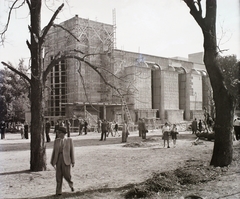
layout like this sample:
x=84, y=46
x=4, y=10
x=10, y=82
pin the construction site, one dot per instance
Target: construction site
x=131, y=85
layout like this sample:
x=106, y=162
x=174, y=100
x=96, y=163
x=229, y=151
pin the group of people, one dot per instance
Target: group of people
x=83, y=126
x=207, y=124
x=66, y=124
x=168, y=131
x=106, y=127
x=22, y=127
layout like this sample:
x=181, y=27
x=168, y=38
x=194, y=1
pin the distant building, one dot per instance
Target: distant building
x=170, y=89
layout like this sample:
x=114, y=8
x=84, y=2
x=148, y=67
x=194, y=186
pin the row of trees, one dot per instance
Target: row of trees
x=223, y=98
x=13, y=95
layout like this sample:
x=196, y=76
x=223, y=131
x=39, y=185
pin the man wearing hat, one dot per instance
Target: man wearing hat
x=62, y=159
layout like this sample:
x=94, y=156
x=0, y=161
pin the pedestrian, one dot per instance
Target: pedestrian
x=26, y=130
x=125, y=132
x=81, y=124
x=57, y=125
x=47, y=130
x=62, y=159
x=194, y=126
x=3, y=126
x=165, y=132
x=140, y=127
x=21, y=130
x=200, y=127
x=116, y=129
x=109, y=128
x=144, y=129
x=236, y=126
x=174, y=133
x=85, y=127
x=68, y=124
x=99, y=122
x=104, y=130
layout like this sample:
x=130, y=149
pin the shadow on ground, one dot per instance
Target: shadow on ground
x=88, y=142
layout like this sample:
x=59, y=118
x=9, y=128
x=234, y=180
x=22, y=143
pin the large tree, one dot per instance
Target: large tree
x=39, y=74
x=223, y=99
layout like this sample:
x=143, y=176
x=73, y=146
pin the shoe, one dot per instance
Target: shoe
x=168, y=147
x=100, y=140
x=72, y=189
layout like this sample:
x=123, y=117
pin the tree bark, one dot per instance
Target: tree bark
x=38, y=154
x=224, y=101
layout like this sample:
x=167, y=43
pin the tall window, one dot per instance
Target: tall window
x=58, y=94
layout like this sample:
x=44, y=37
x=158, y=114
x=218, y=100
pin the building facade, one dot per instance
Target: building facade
x=131, y=85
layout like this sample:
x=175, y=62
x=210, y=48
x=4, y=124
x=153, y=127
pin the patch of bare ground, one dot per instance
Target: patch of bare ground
x=115, y=170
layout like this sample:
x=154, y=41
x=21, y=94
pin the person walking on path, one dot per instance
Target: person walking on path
x=144, y=129
x=116, y=130
x=194, y=126
x=62, y=159
x=125, y=132
x=140, y=127
x=165, y=132
x=57, y=125
x=99, y=123
x=22, y=130
x=68, y=124
x=200, y=127
x=26, y=130
x=104, y=130
x=47, y=130
x=81, y=124
x=3, y=126
x=174, y=133
x=85, y=127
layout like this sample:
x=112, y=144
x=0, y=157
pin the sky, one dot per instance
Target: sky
x=163, y=28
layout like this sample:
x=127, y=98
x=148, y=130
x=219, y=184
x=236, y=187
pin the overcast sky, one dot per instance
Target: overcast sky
x=157, y=27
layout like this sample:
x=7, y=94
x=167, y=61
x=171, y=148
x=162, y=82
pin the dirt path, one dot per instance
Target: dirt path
x=99, y=165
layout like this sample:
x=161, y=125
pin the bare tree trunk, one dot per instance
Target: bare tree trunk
x=38, y=154
x=224, y=101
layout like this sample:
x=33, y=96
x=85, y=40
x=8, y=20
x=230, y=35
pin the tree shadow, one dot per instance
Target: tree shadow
x=15, y=172
x=85, y=193
x=90, y=142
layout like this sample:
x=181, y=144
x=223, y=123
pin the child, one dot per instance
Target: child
x=165, y=132
x=174, y=135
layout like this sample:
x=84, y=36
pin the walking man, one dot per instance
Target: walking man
x=3, y=126
x=104, y=130
x=47, y=130
x=62, y=159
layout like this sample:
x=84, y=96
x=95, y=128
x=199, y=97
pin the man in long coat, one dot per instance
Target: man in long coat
x=62, y=159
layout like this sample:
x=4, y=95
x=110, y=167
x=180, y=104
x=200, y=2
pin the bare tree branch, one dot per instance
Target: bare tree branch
x=50, y=24
x=197, y=14
x=29, y=4
x=58, y=25
x=8, y=21
x=79, y=51
x=29, y=45
x=18, y=72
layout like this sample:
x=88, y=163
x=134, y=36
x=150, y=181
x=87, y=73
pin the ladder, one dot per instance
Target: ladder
x=126, y=110
x=92, y=121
